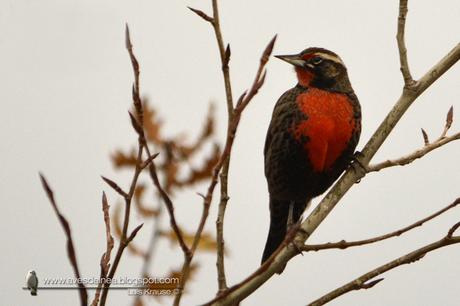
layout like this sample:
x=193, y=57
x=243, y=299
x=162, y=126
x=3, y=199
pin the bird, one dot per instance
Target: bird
x=311, y=139
x=32, y=282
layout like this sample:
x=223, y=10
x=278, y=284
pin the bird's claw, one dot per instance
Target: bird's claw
x=358, y=166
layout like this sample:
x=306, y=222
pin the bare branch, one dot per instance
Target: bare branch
x=442, y=140
x=401, y=43
x=124, y=241
x=137, y=127
x=152, y=168
x=225, y=154
x=346, y=244
x=115, y=187
x=410, y=93
x=170, y=207
x=134, y=233
x=105, y=259
x=361, y=282
x=201, y=14
x=415, y=155
x=70, y=247
x=149, y=160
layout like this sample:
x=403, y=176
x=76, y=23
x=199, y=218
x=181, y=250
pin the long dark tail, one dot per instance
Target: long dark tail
x=279, y=212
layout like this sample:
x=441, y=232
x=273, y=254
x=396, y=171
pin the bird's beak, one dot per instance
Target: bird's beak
x=295, y=59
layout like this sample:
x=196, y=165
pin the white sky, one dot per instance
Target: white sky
x=66, y=81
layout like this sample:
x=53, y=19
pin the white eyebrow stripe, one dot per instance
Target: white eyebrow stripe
x=330, y=57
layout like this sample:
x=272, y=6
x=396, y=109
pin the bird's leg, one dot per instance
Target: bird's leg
x=359, y=167
x=290, y=220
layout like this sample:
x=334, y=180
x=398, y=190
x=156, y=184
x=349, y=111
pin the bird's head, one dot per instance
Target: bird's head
x=321, y=68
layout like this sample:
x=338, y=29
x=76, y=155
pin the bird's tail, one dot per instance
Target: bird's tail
x=33, y=291
x=279, y=212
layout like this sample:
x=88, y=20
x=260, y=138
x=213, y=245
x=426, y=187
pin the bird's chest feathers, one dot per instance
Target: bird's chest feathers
x=328, y=128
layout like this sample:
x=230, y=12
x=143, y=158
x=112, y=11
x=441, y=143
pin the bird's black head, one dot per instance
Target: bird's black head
x=318, y=67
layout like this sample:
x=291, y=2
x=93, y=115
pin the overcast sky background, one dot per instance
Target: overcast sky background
x=66, y=86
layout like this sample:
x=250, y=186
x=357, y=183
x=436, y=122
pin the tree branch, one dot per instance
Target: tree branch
x=401, y=43
x=346, y=244
x=105, y=259
x=362, y=281
x=124, y=241
x=224, y=58
x=138, y=126
x=70, y=247
x=243, y=101
x=410, y=92
x=149, y=162
x=442, y=140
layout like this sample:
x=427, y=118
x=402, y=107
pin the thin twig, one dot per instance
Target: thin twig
x=442, y=140
x=224, y=58
x=362, y=281
x=170, y=208
x=243, y=101
x=410, y=92
x=139, y=127
x=346, y=244
x=415, y=155
x=105, y=259
x=70, y=247
x=115, y=187
x=124, y=241
x=401, y=43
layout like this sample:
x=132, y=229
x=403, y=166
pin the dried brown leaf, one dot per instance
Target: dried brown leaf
x=121, y=159
x=141, y=207
x=152, y=125
x=207, y=242
x=203, y=172
x=174, y=276
x=207, y=131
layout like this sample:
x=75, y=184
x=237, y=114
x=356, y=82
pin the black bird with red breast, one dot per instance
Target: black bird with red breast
x=313, y=133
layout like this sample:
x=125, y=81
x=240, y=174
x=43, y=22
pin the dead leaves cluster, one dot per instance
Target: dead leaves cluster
x=177, y=171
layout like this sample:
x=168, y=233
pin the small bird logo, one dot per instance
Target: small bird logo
x=313, y=133
x=32, y=282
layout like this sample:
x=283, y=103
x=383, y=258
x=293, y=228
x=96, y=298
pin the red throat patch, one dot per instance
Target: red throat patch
x=304, y=76
x=329, y=126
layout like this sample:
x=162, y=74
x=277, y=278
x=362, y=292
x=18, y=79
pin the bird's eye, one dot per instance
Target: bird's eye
x=316, y=60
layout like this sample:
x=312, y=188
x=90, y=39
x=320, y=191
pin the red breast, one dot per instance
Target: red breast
x=328, y=127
